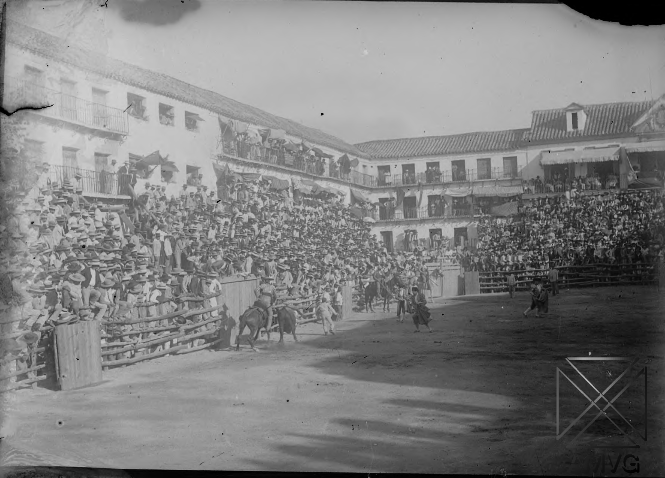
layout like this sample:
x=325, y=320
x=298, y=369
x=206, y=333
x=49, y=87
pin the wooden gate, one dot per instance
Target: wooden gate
x=78, y=358
x=448, y=279
x=471, y=283
x=238, y=295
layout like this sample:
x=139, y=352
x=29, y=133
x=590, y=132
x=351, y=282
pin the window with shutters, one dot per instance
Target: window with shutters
x=510, y=167
x=69, y=162
x=484, y=168
x=100, y=116
x=68, y=99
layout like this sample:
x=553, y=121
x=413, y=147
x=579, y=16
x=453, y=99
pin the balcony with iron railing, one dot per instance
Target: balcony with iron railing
x=97, y=182
x=19, y=92
x=289, y=161
x=442, y=177
x=606, y=183
x=413, y=213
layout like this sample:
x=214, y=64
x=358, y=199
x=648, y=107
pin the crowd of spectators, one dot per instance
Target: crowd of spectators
x=626, y=226
x=67, y=258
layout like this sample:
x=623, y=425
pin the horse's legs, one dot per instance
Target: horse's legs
x=281, y=331
x=240, y=331
x=252, y=334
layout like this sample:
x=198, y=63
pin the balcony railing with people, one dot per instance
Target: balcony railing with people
x=549, y=186
x=408, y=213
x=19, y=92
x=99, y=182
x=279, y=156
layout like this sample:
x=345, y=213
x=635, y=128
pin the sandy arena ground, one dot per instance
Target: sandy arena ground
x=476, y=396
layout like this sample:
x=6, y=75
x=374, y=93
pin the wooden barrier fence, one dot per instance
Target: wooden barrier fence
x=154, y=330
x=21, y=366
x=590, y=275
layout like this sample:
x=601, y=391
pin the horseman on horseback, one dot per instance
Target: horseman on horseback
x=266, y=295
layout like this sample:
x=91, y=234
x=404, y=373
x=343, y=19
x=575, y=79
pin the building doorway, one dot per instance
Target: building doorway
x=410, y=208
x=387, y=237
x=435, y=238
x=461, y=237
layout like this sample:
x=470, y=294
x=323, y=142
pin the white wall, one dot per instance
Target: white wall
x=182, y=146
x=445, y=162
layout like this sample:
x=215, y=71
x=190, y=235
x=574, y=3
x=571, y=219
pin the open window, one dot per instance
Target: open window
x=192, y=121
x=166, y=114
x=193, y=176
x=136, y=106
x=458, y=170
x=484, y=168
x=384, y=175
x=433, y=172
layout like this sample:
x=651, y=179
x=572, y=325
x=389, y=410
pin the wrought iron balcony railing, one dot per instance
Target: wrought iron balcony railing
x=100, y=182
x=19, y=92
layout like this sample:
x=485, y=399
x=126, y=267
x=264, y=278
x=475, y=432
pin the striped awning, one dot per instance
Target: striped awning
x=646, y=147
x=585, y=156
x=497, y=191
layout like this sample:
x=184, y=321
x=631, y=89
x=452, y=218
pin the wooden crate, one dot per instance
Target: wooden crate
x=78, y=355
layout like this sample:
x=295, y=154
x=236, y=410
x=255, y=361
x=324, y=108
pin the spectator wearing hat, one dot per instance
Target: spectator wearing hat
x=72, y=296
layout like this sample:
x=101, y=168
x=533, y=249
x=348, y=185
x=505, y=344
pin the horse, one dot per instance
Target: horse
x=256, y=319
x=380, y=289
x=287, y=321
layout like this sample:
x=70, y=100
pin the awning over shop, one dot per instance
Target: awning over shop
x=585, y=156
x=357, y=195
x=457, y=192
x=497, y=191
x=646, y=147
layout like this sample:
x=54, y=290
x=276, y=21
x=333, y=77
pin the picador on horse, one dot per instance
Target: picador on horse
x=381, y=286
x=260, y=315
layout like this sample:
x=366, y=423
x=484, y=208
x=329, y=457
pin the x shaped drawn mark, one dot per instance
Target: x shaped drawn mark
x=601, y=395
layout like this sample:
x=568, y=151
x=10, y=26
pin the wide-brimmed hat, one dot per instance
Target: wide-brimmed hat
x=108, y=283
x=76, y=277
x=136, y=289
